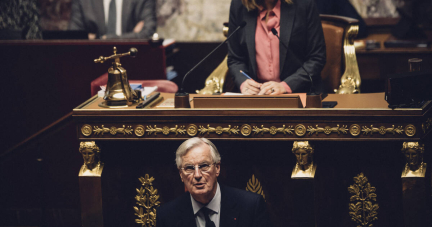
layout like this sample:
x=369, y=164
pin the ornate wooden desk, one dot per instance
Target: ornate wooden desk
x=361, y=138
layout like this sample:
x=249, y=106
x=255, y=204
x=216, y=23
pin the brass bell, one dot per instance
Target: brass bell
x=118, y=92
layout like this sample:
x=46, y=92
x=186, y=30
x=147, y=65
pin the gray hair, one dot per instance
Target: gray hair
x=195, y=142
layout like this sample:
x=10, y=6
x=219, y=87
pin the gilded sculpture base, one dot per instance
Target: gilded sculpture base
x=302, y=206
x=95, y=172
x=308, y=173
x=91, y=201
x=414, y=203
x=421, y=172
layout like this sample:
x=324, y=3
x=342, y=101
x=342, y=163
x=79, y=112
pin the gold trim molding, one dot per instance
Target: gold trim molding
x=218, y=130
x=165, y=130
x=113, y=130
x=273, y=130
x=383, y=130
x=147, y=198
x=363, y=211
x=328, y=130
x=254, y=186
x=246, y=130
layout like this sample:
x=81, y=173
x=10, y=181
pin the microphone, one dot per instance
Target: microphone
x=312, y=88
x=182, y=98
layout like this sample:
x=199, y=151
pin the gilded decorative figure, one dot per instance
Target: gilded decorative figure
x=304, y=167
x=147, y=198
x=91, y=154
x=254, y=186
x=363, y=211
x=414, y=167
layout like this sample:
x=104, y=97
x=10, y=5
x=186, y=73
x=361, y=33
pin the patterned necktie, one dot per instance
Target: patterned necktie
x=112, y=18
x=206, y=212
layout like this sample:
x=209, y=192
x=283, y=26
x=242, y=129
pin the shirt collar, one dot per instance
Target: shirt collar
x=213, y=205
x=276, y=10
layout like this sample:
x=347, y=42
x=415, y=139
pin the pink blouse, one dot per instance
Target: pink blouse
x=267, y=47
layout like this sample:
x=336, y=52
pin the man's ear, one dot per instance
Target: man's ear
x=217, y=169
x=181, y=177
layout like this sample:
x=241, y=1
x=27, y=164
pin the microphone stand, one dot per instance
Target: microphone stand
x=181, y=99
x=313, y=100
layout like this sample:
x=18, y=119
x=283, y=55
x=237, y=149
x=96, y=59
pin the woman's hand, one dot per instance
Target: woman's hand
x=251, y=87
x=272, y=88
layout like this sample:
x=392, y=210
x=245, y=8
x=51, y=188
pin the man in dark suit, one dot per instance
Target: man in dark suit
x=301, y=49
x=207, y=203
x=128, y=19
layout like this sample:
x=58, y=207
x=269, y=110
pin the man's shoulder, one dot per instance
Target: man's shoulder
x=239, y=194
x=175, y=204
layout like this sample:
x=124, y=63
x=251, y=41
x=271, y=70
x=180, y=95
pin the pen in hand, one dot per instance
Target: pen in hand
x=246, y=75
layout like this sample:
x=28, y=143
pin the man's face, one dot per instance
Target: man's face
x=201, y=185
x=302, y=157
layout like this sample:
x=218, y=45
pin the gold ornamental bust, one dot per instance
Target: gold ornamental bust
x=414, y=167
x=91, y=154
x=304, y=167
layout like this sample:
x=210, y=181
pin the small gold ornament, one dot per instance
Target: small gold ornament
x=86, y=130
x=192, y=130
x=355, y=130
x=139, y=130
x=410, y=130
x=246, y=130
x=300, y=130
x=255, y=186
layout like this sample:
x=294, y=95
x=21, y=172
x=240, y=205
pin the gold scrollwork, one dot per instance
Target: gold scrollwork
x=255, y=186
x=355, y=129
x=273, y=130
x=363, y=211
x=86, y=130
x=147, y=198
x=113, y=130
x=139, y=130
x=410, y=130
x=300, y=130
x=218, y=130
x=382, y=130
x=192, y=130
x=165, y=130
x=327, y=129
x=427, y=125
x=101, y=130
x=246, y=130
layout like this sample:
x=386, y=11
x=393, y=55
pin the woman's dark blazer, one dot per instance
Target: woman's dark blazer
x=300, y=30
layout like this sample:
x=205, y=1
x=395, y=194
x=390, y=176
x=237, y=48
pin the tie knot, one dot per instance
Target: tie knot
x=206, y=211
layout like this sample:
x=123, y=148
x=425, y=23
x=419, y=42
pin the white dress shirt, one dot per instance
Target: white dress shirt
x=119, y=7
x=214, y=205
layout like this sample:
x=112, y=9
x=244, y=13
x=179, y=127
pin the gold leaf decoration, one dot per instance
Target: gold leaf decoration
x=165, y=130
x=255, y=186
x=218, y=130
x=147, y=198
x=273, y=130
x=382, y=130
x=328, y=130
x=113, y=130
x=362, y=210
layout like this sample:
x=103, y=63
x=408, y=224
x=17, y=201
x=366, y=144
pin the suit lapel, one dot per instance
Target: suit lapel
x=251, y=21
x=187, y=215
x=126, y=11
x=286, y=25
x=98, y=9
x=229, y=211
